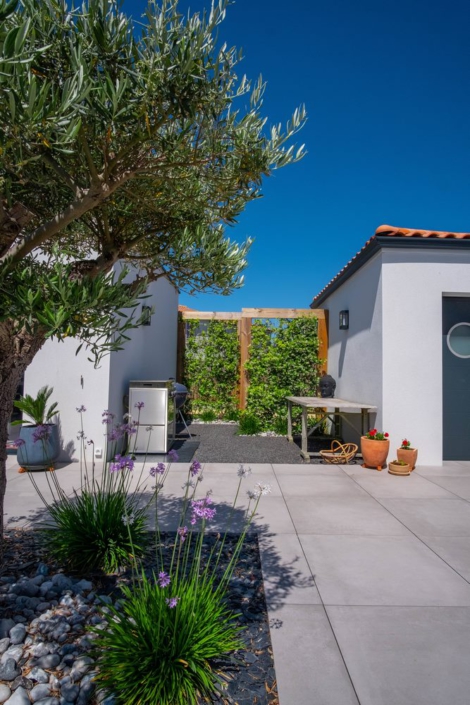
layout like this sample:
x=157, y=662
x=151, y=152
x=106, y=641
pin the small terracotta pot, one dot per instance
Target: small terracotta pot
x=397, y=469
x=374, y=453
x=409, y=455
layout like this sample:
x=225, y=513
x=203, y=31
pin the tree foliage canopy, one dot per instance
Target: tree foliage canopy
x=129, y=141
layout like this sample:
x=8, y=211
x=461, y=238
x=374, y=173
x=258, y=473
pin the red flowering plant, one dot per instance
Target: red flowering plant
x=406, y=444
x=375, y=435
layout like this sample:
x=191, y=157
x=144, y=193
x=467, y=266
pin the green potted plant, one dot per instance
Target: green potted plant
x=407, y=453
x=399, y=467
x=39, y=443
x=374, y=448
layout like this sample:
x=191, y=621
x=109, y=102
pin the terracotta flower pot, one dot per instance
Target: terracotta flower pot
x=409, y=455
x=397, y=469
x=374, y=453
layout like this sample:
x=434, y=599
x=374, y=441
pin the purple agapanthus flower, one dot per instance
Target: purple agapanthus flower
x=172, y=602
x=107, y=417
x=90, y=442
x=81, y=409
x=163, y=579
x=201, y=509
x=158, y=470
x=18, y=443
x=195, y=468
x=41, y=433
x=139, y=405
x=115, y=434
x=121, y=463
x=129, y=428
x=182, y=533
x=173, y=456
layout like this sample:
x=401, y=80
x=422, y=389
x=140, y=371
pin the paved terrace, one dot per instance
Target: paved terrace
x=367, y=576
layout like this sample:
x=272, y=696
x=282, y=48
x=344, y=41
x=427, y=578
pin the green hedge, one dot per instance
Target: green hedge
x=283, y=362
x=211, y=367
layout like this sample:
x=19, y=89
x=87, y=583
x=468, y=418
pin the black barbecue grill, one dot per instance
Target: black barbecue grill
x=180, y=394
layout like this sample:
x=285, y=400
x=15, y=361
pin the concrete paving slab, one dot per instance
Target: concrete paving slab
x=432, y=517
x=319, y=486
x=383, y=570
x=232, y=468
x=386, y=485
x=459, y=486
x=454, y=550
x=405, y=655
x=287, y=577
x=359, y=516
x=223, y=484
x=451, y=469
x=309, y=666
x=308, y=469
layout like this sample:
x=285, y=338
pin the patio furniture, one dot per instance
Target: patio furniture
x=339, y=453
x=333, y=409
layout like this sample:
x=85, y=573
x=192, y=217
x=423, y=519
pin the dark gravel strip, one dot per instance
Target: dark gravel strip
x=219, y=443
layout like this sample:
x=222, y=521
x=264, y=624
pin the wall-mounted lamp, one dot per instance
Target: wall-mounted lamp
x=344, y=320
x=146, y=315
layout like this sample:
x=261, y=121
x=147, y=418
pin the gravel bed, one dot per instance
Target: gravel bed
x=44, y=615
x=219, y=443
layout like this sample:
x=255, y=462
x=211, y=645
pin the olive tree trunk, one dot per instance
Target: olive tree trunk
x=17, y=350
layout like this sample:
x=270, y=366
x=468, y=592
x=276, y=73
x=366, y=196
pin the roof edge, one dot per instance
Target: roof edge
x=377, y=243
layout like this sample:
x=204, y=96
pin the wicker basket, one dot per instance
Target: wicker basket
x=339, y=453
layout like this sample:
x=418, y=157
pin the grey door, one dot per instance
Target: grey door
x=456, y=377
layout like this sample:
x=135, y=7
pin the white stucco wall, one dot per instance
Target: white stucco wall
x=149, y=354
x=392, y=354
x=76, y=382
x=414, y=282
x=354, y=355
x=152, y=354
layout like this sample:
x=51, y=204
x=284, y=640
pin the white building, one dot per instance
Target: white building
x=149, y=354
x=407, y=348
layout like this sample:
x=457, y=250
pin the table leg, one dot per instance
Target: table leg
x=304, y=451
x=337, y=418
x=364, y=418
x=289, y=422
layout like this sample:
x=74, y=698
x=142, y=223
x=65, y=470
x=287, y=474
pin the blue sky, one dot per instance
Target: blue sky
x=386, y=86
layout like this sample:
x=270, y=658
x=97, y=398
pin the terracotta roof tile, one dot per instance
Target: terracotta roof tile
x=407, y=232
x=181, y=307
x=390, y=231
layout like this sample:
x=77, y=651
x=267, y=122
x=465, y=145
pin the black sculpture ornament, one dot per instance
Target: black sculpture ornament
x=327, y=387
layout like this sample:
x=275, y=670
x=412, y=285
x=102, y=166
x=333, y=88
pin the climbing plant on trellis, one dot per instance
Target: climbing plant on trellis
x=211, y=370
x=283, y=361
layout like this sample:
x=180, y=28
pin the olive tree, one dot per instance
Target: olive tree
x=119, y=141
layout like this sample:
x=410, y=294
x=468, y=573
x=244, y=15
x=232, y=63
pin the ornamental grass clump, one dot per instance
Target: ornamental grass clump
x=173, y=632
x=102, y=525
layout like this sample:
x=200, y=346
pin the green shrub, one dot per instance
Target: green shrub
x=280, y=426
x=248, y=424
x=232, y=414
x=89, y=531
x=152, y=653
x=208, y=415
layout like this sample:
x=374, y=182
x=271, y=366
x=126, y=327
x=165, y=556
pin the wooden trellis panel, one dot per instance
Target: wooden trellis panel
x=245, y=318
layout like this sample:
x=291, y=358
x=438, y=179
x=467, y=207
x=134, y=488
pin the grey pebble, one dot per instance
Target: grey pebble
x=14, y=652
x=5, y=693
x=5, y=626
x=4, y=644
x=17, y=633
x=69, y=692
x=49, y=661
x=42, y=569
x=48, y=701
x=39, y=692
x=19, y=618
x=19, y=697
x=83, y=585
x=38, y=675
x=9, y=671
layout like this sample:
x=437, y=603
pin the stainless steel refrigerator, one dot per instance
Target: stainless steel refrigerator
x=157, y=414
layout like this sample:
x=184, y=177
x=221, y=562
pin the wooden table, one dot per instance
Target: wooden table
x=334, y=409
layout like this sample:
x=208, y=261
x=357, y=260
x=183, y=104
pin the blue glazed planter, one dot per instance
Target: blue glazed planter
x=41, y=454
